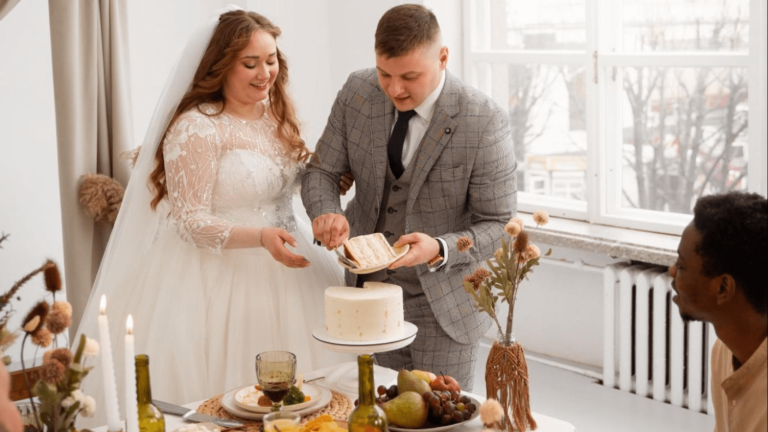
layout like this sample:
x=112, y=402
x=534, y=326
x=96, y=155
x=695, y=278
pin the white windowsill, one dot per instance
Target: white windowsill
x=624, y=243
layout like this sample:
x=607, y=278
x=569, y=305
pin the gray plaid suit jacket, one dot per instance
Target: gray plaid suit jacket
x=464, y=183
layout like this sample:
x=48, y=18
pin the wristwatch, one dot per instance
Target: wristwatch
x=435, y=262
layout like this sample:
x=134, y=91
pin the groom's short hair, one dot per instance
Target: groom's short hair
x=404, y=28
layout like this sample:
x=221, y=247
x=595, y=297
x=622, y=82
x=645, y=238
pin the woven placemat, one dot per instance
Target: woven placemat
x=339, y=408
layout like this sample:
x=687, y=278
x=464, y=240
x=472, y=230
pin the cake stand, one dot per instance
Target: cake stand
x=345, y=375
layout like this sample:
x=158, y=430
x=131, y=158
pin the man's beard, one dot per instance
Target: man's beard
x=689, y=318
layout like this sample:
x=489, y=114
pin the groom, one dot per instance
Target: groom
x=433, y=161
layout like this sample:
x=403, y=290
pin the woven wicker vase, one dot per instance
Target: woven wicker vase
x=506, y=380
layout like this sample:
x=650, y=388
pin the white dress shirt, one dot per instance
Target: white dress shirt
x=418, y=124
x=417, y=127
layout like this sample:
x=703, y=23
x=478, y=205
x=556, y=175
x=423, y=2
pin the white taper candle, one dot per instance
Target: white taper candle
x=108, y=371
x=131, y=408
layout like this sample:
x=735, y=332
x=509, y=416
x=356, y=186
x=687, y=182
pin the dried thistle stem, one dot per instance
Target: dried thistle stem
x=7, y=296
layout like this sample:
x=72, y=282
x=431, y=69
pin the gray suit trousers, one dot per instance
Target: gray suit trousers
x=432, y=350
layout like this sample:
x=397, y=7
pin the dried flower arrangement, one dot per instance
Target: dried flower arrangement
x=58, y=390
x=506, y=373
x=509, y=266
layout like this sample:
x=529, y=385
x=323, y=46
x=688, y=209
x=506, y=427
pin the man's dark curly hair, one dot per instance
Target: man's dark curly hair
x=734, y=240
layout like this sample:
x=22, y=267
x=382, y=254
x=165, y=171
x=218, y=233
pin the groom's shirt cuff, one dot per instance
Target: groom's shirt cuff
x=443, y=253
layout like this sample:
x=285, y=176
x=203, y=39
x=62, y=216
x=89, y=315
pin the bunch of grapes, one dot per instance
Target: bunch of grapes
x=448, y=407
x=445, y=407
x=384, y=394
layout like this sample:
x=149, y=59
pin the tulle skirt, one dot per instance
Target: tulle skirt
x=202, y=318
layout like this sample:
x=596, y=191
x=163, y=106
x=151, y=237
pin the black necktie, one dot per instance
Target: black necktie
x=395, y=146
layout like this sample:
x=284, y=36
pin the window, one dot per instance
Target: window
x=623, y=112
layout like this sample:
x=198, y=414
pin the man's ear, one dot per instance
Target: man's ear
x=727, y=289
x=443, y=57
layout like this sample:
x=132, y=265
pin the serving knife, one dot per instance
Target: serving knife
x=346, y=260
x=342, y=257
x=191, y=415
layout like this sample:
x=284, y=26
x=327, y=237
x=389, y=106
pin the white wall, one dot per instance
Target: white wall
x=29, y=177
x=157, y=32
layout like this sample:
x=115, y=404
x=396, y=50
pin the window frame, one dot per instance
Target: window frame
x=603, y=67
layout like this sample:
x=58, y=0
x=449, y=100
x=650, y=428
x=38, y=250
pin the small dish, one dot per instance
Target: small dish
x=228, y=403
x=247, y=398
x=399, y=252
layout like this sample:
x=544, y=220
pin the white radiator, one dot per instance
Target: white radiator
x=647, y=347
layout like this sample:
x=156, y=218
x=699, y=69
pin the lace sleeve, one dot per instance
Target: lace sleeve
x=191, y=153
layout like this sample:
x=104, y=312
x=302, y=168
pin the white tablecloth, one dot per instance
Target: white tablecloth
x=386, y=376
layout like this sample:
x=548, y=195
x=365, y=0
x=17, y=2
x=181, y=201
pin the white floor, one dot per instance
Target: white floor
x=590, y=407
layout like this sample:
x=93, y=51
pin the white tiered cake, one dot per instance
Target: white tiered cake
x=373, y=313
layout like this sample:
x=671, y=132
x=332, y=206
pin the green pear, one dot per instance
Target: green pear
x=408, y=381
x=425, y=375
x=407, y=410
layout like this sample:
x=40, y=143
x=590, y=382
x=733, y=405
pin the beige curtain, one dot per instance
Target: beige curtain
x=89, y=44
x=6, y=6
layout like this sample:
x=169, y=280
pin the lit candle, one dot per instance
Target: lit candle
x=131, y=409
x=108, y=370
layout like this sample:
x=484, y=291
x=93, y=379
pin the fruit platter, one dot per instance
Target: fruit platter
x=422, y=400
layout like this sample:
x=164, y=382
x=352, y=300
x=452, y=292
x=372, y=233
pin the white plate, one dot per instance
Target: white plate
x=246, y=398
x=404, y=339
x=440, y=428
x=399, y=252
x=228, y=403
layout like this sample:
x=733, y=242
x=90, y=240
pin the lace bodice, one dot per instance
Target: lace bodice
x=223, y=172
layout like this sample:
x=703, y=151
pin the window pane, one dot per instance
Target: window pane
x=547, y=115
x=686, y=25
x=684, y=134
x=531, y=25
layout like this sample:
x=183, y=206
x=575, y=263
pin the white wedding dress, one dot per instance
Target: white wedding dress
x=202, y=312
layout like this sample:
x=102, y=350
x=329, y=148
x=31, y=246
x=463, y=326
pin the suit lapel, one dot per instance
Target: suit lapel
x=382, y=111
x=437, y=136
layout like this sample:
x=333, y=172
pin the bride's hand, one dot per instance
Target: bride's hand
x=274, y=240
x=346, y=182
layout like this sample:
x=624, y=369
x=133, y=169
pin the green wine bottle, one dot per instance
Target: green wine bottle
x=367, y=416
x=150, y=417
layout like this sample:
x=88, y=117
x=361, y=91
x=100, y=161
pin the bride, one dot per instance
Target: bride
x=210, y=260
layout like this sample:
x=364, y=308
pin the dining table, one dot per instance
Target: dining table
x=330, y=378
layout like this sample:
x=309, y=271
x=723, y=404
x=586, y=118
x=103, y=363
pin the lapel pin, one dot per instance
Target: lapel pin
x=447, y=130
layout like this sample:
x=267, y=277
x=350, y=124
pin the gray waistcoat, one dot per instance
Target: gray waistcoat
x=392, y=224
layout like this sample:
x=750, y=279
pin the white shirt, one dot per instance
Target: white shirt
x=418, y=124
x=417, y=127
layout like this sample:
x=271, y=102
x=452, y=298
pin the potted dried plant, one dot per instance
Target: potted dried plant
x=506, y=373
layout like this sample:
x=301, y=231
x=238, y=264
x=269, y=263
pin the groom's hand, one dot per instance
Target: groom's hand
x=330, y=229
x=423, y=249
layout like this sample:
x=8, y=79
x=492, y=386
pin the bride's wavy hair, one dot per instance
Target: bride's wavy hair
x=232, y=35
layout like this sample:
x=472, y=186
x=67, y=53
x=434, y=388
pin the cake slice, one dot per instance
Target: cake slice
x=369, y=250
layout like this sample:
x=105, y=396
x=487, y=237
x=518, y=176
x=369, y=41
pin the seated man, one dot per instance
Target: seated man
x=719, y=278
